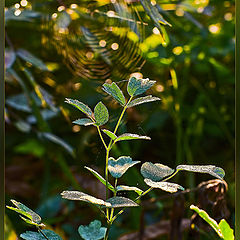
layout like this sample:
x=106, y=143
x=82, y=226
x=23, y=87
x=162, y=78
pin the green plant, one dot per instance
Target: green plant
x=222, y=228
x=155, y=175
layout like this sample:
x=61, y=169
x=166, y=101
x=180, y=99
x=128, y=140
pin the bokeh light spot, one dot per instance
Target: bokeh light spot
x=114, y=46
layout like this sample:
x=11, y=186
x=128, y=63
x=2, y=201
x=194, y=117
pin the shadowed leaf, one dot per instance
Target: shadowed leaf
x=28, y=57
x=29, y=235
x=118, y=167
x=100, y=178
x=155, y=172
x=119, y=202
x=83, y=121
x=93, y=231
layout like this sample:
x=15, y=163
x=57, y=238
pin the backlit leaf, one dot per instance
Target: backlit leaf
x=130, y=136
x=80, y=196
x=155, y=172
x=100, y=178
x=101, y=114
x=110, y=134
x=227, y=232
x=83, y=121
x=80, y=106
x=115, y=92
x=128, y=188
x=142, y=100
x=118, y=167
x=93, y=231
x=138, y=86
x=25, y=211
x=210, y=169
x=208, y=219
x=119, y=202
x=165, y=186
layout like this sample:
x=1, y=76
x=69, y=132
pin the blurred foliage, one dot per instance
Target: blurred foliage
x=58, y=49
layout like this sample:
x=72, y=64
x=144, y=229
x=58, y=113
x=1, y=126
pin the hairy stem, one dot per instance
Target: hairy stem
x=115, y=194
x=106, y=177
x=107, y=232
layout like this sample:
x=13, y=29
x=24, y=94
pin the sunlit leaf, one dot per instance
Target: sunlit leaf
x=119, y=166
x=130, y=136
x=227, y=232
x=29, y=235
x=113, y=90
x=80, y=106
x=110, y=134
x=165, y=186
x=80, y=196
x=101, y=114
x=210, y=169
x=138, y=86
x=29, y=57
x=93, y=231
x=83, y=121
x=155, y=172
x=119, y=202
x=142, y=100
x=100, y=178
x=208, y=219
x=25, y=211
x=129, y=188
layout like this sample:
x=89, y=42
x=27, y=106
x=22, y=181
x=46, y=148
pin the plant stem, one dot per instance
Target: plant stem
x=106, y=177
x=107, y=232
x=40, y=230
x=115, y=194
x=100, y=134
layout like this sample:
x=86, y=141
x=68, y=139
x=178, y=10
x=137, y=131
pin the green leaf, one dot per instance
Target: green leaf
x=119, y=202
x=83, y=121
x=208, y=219
x=118, y=167
x=29, y=235
x=101, y=114
x=165, y=186
x=210, y=169
x=10, y=58
x=227, y=232
x=155, y=172
x=142, y=100
x=25, y=211
x=63, y=20
x=113, y=90
x=128, y=188
x=100, y=178
x=59, y=141
x=110, y=134
x=130, y=136
x=80, y=106
x=92, y=232
x=28, y=57
x=80, y=196
x=138, y=86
